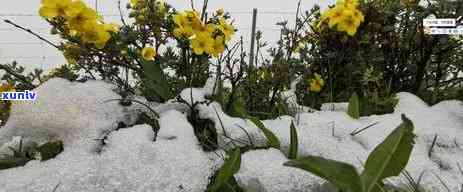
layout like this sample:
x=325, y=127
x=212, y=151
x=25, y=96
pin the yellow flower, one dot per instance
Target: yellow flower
x=218, y=47
x=335, y=15
x=227, y=29
x=184, y=28
x=53, y=8
x=220, y=12
x=206, y=29
x=348, y=3
x=181, y=20
x=79, y=15
x=316, y=84
x=201, y=44
x=148, y=53
x=183, y=32
x=6, y=105
x=349, y=23
x=97, y=35
x=345, y=16
x=7, y=87
x=111, y=27
x=133, y=3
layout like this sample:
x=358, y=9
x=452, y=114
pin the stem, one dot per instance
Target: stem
x=33, y=33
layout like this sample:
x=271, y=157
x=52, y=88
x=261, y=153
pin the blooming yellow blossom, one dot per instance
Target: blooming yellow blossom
x=206, y=29
x=349, y=23
x=201, y=44
x=218, y=47
x=345, y=16
x=227, y=29
x=348, y=3
x=79, y=15
x=7, y=87
x=111, y=27
x=6, y=105
x=316, y=84
x=97, y=35
x=183, y=29
x=183, y=32
x=148, y=53
x=53, y=8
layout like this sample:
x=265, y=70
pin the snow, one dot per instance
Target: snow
x=130, y=161
x=68, y=111
x=263, y=171
x=316, y=138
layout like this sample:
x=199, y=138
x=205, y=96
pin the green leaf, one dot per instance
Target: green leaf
x=354, y=106
x=50, y=150
x=390, y=157
x=293, y=146
x=239, y=107
x=342, y=175
x=10, y=162
x=272, y=140
x=154, y=83
x=230, y=167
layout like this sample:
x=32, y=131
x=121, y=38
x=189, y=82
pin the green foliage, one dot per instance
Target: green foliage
x=225, y=174
x=15, y=75
x=272, y=140
x=22, y=155
x=49, y=150
x=154, y=86
x=354, y=106
x=388, y=159
x=65, y=71
x=389, y=53
x=342, y=175
x=294, y=144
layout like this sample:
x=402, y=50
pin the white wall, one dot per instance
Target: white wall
x=28, y=51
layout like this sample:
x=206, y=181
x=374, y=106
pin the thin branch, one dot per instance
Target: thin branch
x=33, y=33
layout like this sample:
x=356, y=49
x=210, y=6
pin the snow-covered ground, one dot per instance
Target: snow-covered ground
x=130, y=161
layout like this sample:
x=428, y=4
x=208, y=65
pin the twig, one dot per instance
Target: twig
x=33, y=33
x=56, y=187
x=192, y=5
x=120, y=13
x=460, y=169
x=432, y=146
x=442, y=182
x=247, y=133
x=203, y=13
x=356, y=131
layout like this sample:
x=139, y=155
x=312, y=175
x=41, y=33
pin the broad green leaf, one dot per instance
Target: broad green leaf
x=293, y=146
x=50, y=150
x=10, y=162
x=230, y=167
x=341, y=175
x=354, y=106
x=390, y=157
x=239, y=107
x=272, y=140
x=154, y=83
